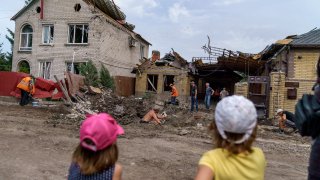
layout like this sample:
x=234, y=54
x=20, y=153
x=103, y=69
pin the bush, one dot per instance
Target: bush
x=90, y=72
x=105, y=79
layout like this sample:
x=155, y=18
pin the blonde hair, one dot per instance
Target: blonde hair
x=92, y=162
x=233, y=148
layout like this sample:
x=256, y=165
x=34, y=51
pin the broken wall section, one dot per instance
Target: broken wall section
x=159, y=77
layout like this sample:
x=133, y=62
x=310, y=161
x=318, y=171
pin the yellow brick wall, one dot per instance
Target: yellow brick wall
x=182, y=81
x=304, y=88
x=277, y=94
x=241, y=89
x=305, y=64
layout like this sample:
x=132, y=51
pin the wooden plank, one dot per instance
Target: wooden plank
x=152, y=85
x=65, y=92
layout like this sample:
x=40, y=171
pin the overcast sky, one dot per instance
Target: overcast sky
x=240, y=25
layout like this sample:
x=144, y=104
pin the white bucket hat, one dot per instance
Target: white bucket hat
x=236, y=114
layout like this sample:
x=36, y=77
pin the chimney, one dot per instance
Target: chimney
x=155, y=55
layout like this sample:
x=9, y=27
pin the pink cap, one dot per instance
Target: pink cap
x=101, y=129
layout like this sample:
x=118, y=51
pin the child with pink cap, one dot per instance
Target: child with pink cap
x=234, y=131
x=97, y=153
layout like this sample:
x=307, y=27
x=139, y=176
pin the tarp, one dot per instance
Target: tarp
x=44, y=88
x=9, y=81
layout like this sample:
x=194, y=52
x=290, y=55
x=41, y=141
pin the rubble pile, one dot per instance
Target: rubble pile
x=124, y=109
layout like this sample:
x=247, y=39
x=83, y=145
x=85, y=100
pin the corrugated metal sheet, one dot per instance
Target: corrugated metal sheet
x=125, y=86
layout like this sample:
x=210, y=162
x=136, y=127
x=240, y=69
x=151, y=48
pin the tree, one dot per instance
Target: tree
x=10, y=38
x=3, y=62
x=105, y=78
x=90, y=72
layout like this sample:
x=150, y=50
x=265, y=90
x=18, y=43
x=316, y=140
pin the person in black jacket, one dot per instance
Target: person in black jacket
x=307, y=120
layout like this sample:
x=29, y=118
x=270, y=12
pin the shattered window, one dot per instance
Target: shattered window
x=75, y=67
x=45, y=69
x=152, y=83
x=167, y=80
x=26, y=38
x=78, y=34
x=141, y=51
x=47, y=34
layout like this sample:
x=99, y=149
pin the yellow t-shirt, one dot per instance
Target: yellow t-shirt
x=226, y=166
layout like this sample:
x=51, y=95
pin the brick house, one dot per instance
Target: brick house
x=52, y=36
x=290, y=69
x=155, y=75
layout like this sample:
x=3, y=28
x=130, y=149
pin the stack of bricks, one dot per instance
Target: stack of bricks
x=241, y=89
x=277, y=94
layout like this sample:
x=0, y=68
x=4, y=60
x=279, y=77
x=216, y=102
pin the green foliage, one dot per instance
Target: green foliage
x=90, y=72
x=105, y=79
x=148, y=95
x=3, y=61
x=8, y=55
x=24, y=67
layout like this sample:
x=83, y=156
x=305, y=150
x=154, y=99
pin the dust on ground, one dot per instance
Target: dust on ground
x=37, y=143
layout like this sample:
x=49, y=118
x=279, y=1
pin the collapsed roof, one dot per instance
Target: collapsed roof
x=171, y=59
x=229, y=60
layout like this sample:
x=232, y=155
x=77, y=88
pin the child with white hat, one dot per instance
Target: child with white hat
x=234, y=132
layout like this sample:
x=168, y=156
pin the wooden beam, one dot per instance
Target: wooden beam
x=65, y=92
x=152, y=85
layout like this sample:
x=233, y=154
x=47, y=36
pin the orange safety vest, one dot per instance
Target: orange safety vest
x=26, y=85
x=174, y=92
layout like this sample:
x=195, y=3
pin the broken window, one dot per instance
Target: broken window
x=75, y=68
x=152, y=83
x=141, y=51
x=45, y=67
x=47, y=34
x=78, y=34
x=167, y=80
x=26, y=38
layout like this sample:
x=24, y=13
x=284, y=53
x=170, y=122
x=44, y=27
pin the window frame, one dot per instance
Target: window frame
x=49, y=33
x=27, y=48
x=165, y=82
x=42, y=72
x=156, y=85
x=142, y=49
x=74, y=33
x=70, y=62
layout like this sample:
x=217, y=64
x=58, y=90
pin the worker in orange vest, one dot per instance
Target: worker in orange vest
x=174, y=94
x=27, y=89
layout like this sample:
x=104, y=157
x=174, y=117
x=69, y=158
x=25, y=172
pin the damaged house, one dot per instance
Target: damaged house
x=53, y=36
x=155, y=76
x=288, y=72
x=291, y=66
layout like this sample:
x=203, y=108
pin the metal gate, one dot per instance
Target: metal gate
x=258, y=93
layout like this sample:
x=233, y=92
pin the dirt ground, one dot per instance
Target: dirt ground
x=33, y=146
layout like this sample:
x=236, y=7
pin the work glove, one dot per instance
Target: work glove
x=307, y=116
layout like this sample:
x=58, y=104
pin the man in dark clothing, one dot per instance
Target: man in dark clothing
x=194, y=98
x=307, y=120
x=314, y=162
